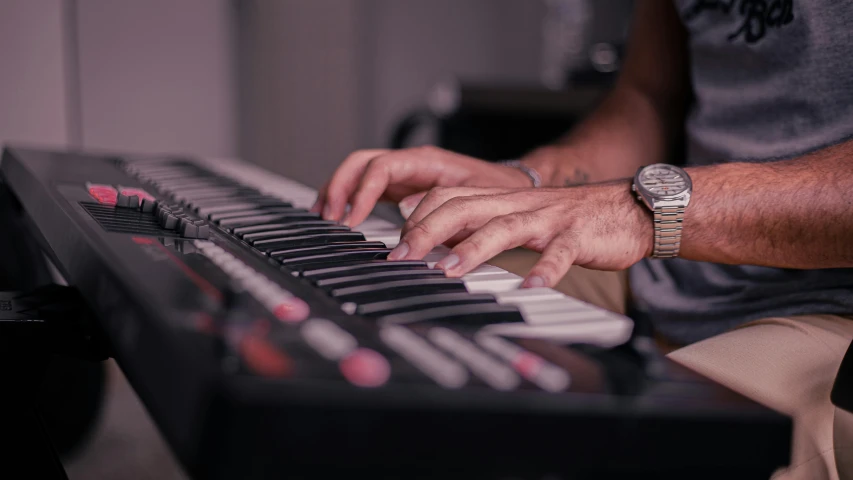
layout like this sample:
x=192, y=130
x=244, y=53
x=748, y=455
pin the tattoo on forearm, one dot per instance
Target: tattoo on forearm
x=576, y=177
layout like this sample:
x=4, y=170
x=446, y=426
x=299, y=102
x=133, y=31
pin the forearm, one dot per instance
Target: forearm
x=789, y=214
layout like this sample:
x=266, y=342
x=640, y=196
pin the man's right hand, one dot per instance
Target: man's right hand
x=368, y=176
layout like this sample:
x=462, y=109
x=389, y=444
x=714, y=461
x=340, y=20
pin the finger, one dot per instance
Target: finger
x=408, y=204
x=344, y=182
x=499, y=234
x=439, y=196
x=554, y=263
x=379, y=174
x=321, y=200
x=455, y=215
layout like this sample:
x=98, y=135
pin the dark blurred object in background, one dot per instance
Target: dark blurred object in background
x=583, y=43
x=495, y=122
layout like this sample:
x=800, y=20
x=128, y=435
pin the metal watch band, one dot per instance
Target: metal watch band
x=667, y=231
x=533, y=174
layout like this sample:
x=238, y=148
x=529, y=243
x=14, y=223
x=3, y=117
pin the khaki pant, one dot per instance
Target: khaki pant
x=787, y=364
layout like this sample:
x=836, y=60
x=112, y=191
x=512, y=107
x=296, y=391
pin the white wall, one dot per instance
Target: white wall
x=158, y=75
x=146, y=76
x=322, y=78
x=33, y=94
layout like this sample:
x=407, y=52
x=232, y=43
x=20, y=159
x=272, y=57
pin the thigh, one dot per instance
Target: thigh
x=788, y=364
x=608, y=290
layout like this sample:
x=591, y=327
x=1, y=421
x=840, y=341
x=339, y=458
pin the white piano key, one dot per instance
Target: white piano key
x=389, y=237
x=562, y=317
x=492, y=283
x=562, y=305
x=484, y=270
x=530, y=294
x=607, y=332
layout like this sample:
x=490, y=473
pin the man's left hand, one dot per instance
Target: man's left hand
x=596, y=226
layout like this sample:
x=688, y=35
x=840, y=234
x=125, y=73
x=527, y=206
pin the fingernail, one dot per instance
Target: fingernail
x=406, y=209
x=327, y=212
x=345, y=221
x=400, y=251
x=448, y=262
x=533, y=282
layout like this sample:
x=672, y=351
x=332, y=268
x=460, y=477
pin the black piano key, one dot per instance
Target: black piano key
x=288, y=223
x=412, y=304
x=344, y=257
x=469, y=315
x=270, y=218
x=377, y=277
x=397, y=289
x=293, y=232
x=215, y=217
x=271, y=245
x=379, y=266
x=253, y=199
x=328, y=248
x=225, y=205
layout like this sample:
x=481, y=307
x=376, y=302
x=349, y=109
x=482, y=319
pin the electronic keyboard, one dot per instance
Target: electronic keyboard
x=266, y=341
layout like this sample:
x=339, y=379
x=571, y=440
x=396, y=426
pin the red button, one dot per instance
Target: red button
x=365, y=368
x=265, y=359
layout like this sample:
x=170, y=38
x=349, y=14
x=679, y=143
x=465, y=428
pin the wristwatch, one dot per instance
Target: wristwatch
x=666, y=190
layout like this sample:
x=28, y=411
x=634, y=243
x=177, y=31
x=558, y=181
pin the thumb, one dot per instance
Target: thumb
x=410, y=203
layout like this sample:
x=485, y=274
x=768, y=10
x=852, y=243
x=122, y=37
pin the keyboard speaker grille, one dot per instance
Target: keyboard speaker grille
x=125, y=220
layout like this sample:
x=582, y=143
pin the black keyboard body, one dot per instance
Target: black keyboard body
x=242, y=392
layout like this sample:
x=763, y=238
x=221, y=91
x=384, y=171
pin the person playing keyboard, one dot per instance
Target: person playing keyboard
x=742, y=258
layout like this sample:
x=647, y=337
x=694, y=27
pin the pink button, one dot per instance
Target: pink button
x=527, y=364
x=365, y=368
x=104, y=194
x=292, y=310
x=142, y=194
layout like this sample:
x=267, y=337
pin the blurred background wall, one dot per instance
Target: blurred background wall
x=293, y=85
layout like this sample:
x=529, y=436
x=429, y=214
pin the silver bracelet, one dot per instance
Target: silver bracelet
x=533, y=174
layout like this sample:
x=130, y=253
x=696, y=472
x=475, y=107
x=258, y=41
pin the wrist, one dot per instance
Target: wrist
x=637, y=219
x=559, y=166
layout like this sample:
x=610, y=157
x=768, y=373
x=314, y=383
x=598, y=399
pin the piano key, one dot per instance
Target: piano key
x=529, y=294
x=335, y=258
x=250, y=201
x=376, y=277
x=224, y=205
x=492, y=283
x=443, y=370
x=293, y=232
x=468, y=315
x=397, y=288
x=562, y=305
x=380, y=266
x=606, y=332
x=388, y=307
x=329, y=248
x=388, y=237
x=259, y=219
x=287, y=223
x=317, y=240
x=564, y=317
x=254, y=211
x=495, y=373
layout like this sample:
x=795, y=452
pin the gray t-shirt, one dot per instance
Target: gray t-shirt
x=773, y=79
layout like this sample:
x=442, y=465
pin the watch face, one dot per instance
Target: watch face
x=664, y=180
